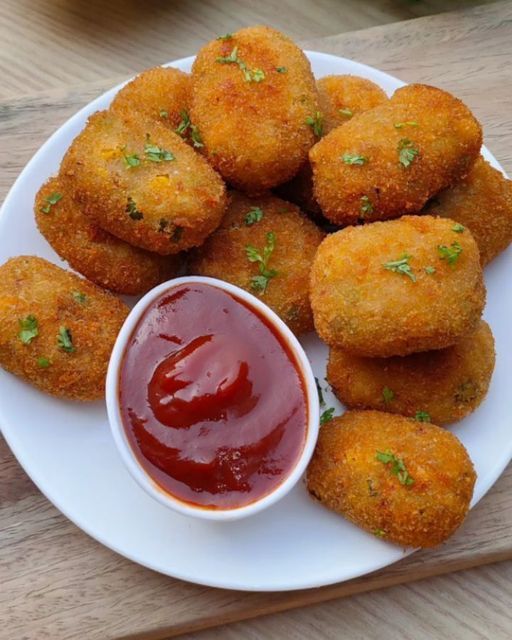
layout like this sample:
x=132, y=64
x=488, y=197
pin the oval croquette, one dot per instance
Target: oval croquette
x=256, y=106
x=390, y=160
x=397, y=287
x=405, y=481
x=483, y=202
x=101, y=257
x=286, y=241
x=441, y=386
x=57, y=330
x=141, y=182
x=343, y=97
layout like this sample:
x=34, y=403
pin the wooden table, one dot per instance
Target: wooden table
x=58, y=583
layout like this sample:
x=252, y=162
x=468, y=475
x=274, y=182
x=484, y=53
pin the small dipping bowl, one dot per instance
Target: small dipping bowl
x=144, y=401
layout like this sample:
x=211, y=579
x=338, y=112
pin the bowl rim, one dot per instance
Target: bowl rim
x=140, y=475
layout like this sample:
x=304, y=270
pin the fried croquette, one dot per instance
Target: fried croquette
x=161, y=94
x=57, y=330
x=266, y=246
x=99, y=256
x=342, y=97
x=404, y=481
x=255, y=104
x=141, y=182
x=441, y=386
x=390, y=160
x=397, y=287
x=483, y=203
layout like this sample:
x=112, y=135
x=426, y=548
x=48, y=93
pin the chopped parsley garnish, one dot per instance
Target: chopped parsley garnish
x=131, y=160
x=195, y=136
x=320, y=393
x=79, y=297
x=407, y=152
x=430, y=270
x=132, y=211
x=29, y=329
x=380, y=533
x=350, y=158
x=366, y=205
x=254, y=215
x=422, y=416
x=50, y=200
x=450, y=254
x=458, y=228
x=184, y=124
x=254, y=75
x=185, y=128
x=154, y=153
x=316, y=122
x=281, y=69
x=226, y=36
x=401, y=266
x=397, y=466
x=64, y=340
x=163, y=113
x=43, y=363
x=260, y=282
x=327, y=415
x=408, y=123
x=387, y=395
x=348, y=113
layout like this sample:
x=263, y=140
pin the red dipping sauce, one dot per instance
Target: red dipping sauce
x=212, y=399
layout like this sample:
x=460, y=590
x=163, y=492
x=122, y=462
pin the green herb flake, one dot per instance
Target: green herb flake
x=316, y=122
x=380, y=533
x=397, y=466
x=466, y=392
x=64, y=340
x=450, y=254
x=231, y=59
x=320, y=393
x=43, y=363
x=184, y=124
x=407, y=152
x=458, y=228
x=185, y=127
x=430, y=270
x=163, y=113
x=409, y=123
x=254, y=215
x=132, y=211
x=348, y=113
x=422, y=416
x=226, y=36
x=281, y=70
x=50, y=200
x=401, y=266
x=131, y=160
x=349, y=158
x=256, y=75
x=260, y=282
x=29, y=329
x=387, y=395
x=195, y=136
x=366, y=205
x=155, y=153
x=327, y=415
x=79, y=297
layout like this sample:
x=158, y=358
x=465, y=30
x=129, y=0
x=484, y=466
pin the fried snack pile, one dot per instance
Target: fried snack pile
x=395, y=288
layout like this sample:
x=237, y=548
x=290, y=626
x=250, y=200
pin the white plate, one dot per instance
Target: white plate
x=67, y=450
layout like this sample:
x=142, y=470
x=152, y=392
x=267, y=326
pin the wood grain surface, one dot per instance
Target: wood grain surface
x=58, y=583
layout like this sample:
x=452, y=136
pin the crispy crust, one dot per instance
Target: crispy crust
x=223, y=255
x=346, y=477
x=182, y=200
x=33, y=286
x=255, y=133
x=448, y=384
x=368, y=310
x=447, y=139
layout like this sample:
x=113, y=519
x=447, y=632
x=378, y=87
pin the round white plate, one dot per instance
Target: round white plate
x=68, y=451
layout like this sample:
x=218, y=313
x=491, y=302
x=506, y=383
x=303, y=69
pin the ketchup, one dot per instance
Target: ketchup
x=212, y=400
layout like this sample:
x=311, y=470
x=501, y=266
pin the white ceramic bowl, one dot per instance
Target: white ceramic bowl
x=119, y=432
